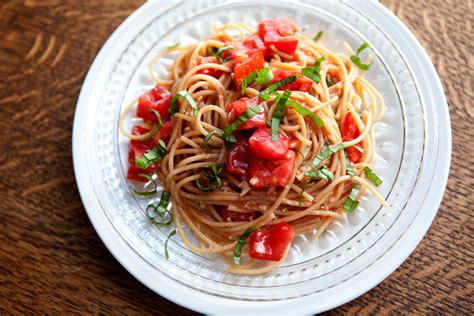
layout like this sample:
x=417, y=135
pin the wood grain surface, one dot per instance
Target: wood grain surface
x=51, y=259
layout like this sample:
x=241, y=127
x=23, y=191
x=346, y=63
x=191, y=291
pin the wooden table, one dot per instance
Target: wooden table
x=51, y=259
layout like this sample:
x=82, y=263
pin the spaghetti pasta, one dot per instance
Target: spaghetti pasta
x=289, y=148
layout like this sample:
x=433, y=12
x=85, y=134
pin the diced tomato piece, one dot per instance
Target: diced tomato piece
x=137, y=149
x=157, y=99
x=245, y=68
x=279, y=33
x=164, y=133
x=208, y=71
x=270, y=244
x=267, y=173
x=238, y=107
x=303, y=83
x=349, y=132
x=239, y=159
x=262, y=145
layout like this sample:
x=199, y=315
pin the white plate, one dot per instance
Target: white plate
x=413, y=145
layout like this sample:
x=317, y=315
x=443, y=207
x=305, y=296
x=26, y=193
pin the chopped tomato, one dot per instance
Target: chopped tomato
x=157, y=99
x=349, y=132
x=280, y=34
x=303, y=83
x=270, y=244
x=267, y=173
x=164, y=133
x=243, y=50
x=238, y=160
x=238, y=107
x=262, y=145
x=137, y=149
x=245, y=68
x=208, y=71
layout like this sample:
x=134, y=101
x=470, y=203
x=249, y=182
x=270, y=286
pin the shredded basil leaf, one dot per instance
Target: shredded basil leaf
x=278, y=113
x=219, y=54
x=173, y=46
x=351, y=204
x=356, y=59
x=326, y=152
x=260, y=76
x=208, y=138
x=323, y=173
x=146, y=193
x=158, y=125
x=372, y=176
x=174, y=107
x=214, y=174
x=302, y=157
x=305, y=112
x=247, y=115
x=300, y=199
x=329, y=82
x=348, y=165
x=240, y=244
x=201, y=187
x=264, y=94
x=318, y=36
x=211, y=51
x=360, y=149
x=172, y=233
x=313, y=72
x=152, y=156
x=160, y=209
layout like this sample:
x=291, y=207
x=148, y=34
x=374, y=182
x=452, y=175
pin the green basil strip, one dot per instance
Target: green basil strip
x=360, y=149
x=356, y=59
x=300, y=199
x=219, y=54
x=326, y=152
x=302, y=157
x=241, y=243
x=323, y=173
x=211, y=51
x=264, y=94
x=305, y=112
x=208, y=138
x=329, y=82
x=174, y=107
x=260, y=76
x=372, y=176
x=348, y=165
x=351, y=204
x=152, y=156
x=318, y=36
x=247, y=115
x=314, y=72
x=158, y=125
x=278, y=113
x=146, y=193
x=201, y=187
x=173, y=46
x=172, y=233
x=214, y=174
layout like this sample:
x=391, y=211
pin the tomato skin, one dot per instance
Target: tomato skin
x=267, y=173
x=262, y=145
x=157, y=99
x=137, y=149
x=238, y=107
x=303, y=83
x=245, y=68
x=208, y=71
x=238, y=160
x=350, y=131
x=279, y=33
x=164, y=133
x=270, y=244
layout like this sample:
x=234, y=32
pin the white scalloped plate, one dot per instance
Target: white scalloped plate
x=413, y=145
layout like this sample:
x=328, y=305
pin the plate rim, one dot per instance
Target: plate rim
x=175, y=291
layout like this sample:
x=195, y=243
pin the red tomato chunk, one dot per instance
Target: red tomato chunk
x=238, y=159
x=245, y=68
x=349, y=132
x=270, y=244
x=137, y=149
x=267, y=173
x=208, y=71
x=262, y=145
x=164, y=133
x=238, y=107
x=157, y=99
x=303, y=83
x=280, y=34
